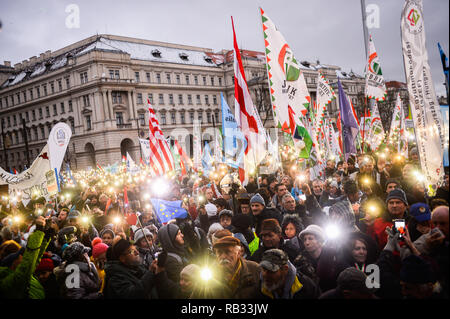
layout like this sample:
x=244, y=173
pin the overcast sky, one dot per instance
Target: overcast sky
x=328, y=30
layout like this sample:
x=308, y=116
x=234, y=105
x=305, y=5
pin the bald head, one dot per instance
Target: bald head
x=439, y=217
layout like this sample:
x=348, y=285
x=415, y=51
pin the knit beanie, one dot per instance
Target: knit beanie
x=313, y=230
x=139, y=234
x=225, y=212
x=46, y=264
x=257, y=198
x=98, y=247
x=211, y=209
x=397, y=193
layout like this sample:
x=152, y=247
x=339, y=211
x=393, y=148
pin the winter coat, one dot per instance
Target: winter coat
x=89, y=284
x=296, y=286
x=286, y=246
x=247, y=287
x=266, y=214
x=123, y=282
x=20, y=283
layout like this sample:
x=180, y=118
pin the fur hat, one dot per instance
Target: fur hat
x=227, y=241
x=294, y=220
x=270, y=225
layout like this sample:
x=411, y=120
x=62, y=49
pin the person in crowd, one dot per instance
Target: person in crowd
x=107, y=235
x=225, y=218
x=98, y=257
x=280, y=191
x=172, y=242
x=243, y=231
x=280, y=279
x=44, y=274
x=143, y=240
x=291, y=228
x=420, y=220
x=238, y=276
x=260, y=212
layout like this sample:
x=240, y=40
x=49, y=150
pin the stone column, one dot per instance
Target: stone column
x=130, y=107
x=105, y=110
x=110, y=107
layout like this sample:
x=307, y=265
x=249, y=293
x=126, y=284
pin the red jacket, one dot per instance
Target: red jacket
x=377, y=231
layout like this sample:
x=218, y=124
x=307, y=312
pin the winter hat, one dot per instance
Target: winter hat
x=397, y=193
x=98, y=247
x=140, y=233
x=257, y=198
x=241, y=221
x=420, y=211
x=211, y=210
x=225, y=212
x=227, y=241
x=213, y=228
x=220, y=234
x=274, y=259
x=191, y=271
x=354, y=280
x=9, y=247
x=416, y=270
x=120, y=247
x=9, y=260
x=313, y=230
x=46, y=264
x=334, y=184
x=270, y=225
x=107, y=230
x=344, y=210
x=74, y=251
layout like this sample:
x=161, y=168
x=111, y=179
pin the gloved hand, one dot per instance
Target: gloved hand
x=392, y=243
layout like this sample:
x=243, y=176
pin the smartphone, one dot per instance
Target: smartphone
x=399, y=225
x=302, y=197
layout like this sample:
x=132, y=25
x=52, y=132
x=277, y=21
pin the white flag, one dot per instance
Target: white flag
x=375, y=86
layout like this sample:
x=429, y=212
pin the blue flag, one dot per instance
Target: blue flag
x=168, y=210
x=350, y=127
x=207, y=159
x=69, y=172
x=231, y=136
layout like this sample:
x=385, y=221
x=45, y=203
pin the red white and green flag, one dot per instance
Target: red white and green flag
x=325, y=94
x=289, y=94
x=375, y=86
x=376, y=132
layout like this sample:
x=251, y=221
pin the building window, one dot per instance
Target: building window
x=139, y=98
x=72, y=125
x=18, y=98
x=86, y=100
x=180, y=98
x=178, y=79
x=12, y=99
x=136, y=76
x=83, y=77
x=111, y=74
x=43, y=132
x=207, y=99
x=200, y=116
x=15, y=120
x=198, y=99
x=187, y=79
x=88, y=122
x=60, y=84
x=47, y=111
x=204, y=80
x=196, y=79
x=148, y=76
x=183, y=120
x=173, y=118
x=45, y=89
x=52, y=87
x=158, y=77
x=168, y=78
x=38, y=92
x=33, y=115
x=208, y=117
x=212, y=80
x=27, y=117
x=9, y=121
x=55, y=111
x=161, y=99
x=116, y=97
x=114, y=74
x=215, y=99
x=31, y=96
x=36, y=137
x=150, y=98
x=191, y=116
x=24, y=97
x=216, y=115
x=49, y=128
x=163, y=119
x=62, y=108
x=220, y=81
x=142, y=119
x=70, y=106
x=171, y=99
x=189, y=99
x=119, y=118
x=67, y=82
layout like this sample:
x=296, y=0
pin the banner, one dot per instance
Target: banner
x=376, y=133
x=145, y=147
x=197, y=144
x=325, y=94
x=424, y=105
x=31, y=182
x=445, y=117
x=375, y=86
x=58, y=140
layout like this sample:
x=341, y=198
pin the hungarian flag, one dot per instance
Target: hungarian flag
x=376, y=133
x=247, y=118
x=161, y=160
x=375, y=86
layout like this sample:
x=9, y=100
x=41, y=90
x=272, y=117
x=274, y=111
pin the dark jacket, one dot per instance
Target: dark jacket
x=296, y=286
x=89, y=285
x=289, y=248
x=247, y=287
x=266, y=214
x=122, y=282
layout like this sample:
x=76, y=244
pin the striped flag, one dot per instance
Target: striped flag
x=247, y=118
x=161, y=159
x=184, y=159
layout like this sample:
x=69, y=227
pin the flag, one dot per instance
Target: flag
x=15, y=171
x=376, y=132
x=184, y=159
x=131, y=165
x=69, y=173
x=197, y=146
x=207, y=159
x=397, y=131
x=168, y=210
x=426, y=115
x=350, y=126
x=286, y=81
x=161, y=159
x=247, y=118
x=445, y=66
x=325, y=94
x=232, y=137
x=375, y=86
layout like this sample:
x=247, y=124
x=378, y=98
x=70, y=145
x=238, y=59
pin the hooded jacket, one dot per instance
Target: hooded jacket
x=176, y=255
x=89, y=284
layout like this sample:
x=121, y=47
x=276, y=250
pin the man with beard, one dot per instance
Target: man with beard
x=280, y=279
x=239, y=276
x=330, y=169
x=126, y=277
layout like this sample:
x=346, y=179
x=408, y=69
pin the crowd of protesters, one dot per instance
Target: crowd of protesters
x=282, y=237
